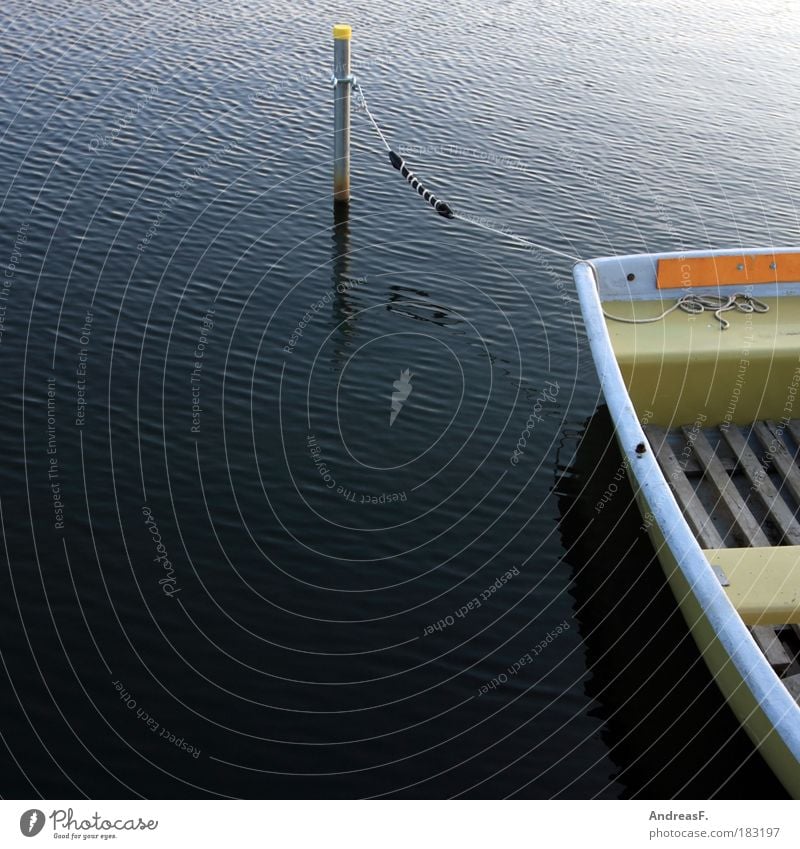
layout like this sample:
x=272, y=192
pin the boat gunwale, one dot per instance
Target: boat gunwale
x=769, y=693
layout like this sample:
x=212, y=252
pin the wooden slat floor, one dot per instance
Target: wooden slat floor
x=739, y=487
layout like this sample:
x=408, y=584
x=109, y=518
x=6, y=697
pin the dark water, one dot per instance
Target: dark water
x=166, y=188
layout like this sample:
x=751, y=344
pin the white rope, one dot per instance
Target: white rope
x=466, y=218
x=369, y=114
x=697, y=304
x=521, y=239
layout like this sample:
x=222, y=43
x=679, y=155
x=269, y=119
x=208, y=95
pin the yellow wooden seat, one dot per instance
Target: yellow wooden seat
x=764, y=582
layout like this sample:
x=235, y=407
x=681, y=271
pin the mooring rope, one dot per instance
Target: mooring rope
x=399, y=163
x=697, y=304
x=692, y=304
x=369, y=114
x=522, y=239
x=444, y=209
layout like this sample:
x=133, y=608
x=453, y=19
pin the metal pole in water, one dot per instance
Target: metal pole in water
x=341, y=113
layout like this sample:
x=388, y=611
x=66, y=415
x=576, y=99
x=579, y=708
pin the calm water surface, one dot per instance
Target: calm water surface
x=226, y=570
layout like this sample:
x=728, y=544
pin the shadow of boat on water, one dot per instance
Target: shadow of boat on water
x=667, y=727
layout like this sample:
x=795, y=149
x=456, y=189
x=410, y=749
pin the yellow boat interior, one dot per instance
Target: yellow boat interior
x=718, y=394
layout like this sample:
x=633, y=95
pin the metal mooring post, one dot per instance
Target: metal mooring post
x=341, y=113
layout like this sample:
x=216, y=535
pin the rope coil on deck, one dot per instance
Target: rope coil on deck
x=697, y=304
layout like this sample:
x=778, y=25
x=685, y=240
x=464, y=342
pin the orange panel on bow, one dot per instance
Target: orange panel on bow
x=690, y=272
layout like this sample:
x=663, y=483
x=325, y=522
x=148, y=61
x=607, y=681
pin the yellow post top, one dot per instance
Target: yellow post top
x=342, y=31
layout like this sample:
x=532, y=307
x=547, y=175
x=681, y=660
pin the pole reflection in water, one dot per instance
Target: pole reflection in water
x=667, y=726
